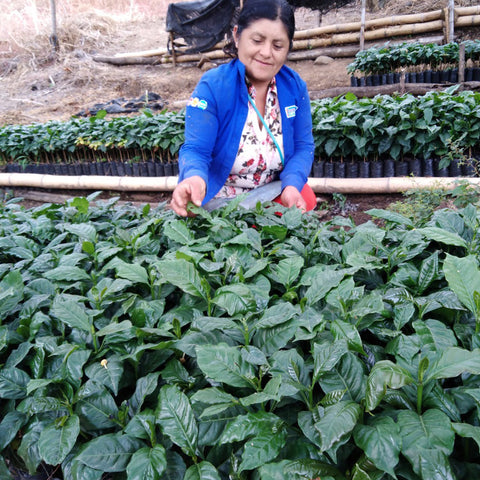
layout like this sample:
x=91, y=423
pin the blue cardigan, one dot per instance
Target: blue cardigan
x=216, y=115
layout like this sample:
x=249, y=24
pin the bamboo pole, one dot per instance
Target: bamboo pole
x=451, y=20
x=467, y=10
x=88, y=182
x=400, y=30
x=385, y=185
x=369, y=24
x=461, y=63
x=362, y=26
x=468, y=21
x=54, y=36
x=168, y=184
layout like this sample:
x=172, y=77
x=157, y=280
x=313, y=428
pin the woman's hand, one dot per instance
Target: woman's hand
x=291, y=197
x=192, y=189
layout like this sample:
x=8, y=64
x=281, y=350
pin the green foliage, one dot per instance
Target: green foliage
x=396, y=126
x=80, y=140
x=238, y=344
x=390, y=58
x=443, y=124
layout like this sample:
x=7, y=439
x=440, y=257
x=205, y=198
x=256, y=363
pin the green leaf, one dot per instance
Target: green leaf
x=178, y=231
x=435, y=336
x=56, y=442
x=390, y=216
x=202, y=471
x=263, y=447
x=277, y=314
x=235, y=299
x=225, y=364
x=110, y=452
x=108, y=374
x=322, y=285
x=453, y=362
x=443, y=236
x=67, y=273
x=147, y=464
x=71, y=313
x=381, y=443
x=466, y=430
x=463, y=277
x=338, y=421
x=11, y=292
x=286, y=271
x=384, y=374
x=133, y=272
x=175, y=415
x=311, y=469
x=326, y=356
x=144, y=387
x=265, y=435
x=345, y=331
x=424, y=434
x=183, y=275
x=9, y=427
x=13, y=383
x=97, y=411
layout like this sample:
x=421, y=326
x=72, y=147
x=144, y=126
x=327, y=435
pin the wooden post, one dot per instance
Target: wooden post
x=362, y=26
x=174, y=54
x=461, y=63
x=54, y=36
x=451, y=21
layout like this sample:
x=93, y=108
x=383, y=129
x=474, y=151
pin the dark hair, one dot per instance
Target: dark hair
x=254, y=10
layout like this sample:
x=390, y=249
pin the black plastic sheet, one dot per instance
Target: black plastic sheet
x=202, y=23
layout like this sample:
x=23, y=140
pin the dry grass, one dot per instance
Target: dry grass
x=27, y=24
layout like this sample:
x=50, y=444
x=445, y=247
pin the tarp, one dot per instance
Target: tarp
x=202, y=23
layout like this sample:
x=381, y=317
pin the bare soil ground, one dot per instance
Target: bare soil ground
x=37, y=85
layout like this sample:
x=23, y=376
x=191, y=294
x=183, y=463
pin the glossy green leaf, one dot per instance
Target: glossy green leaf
x=463, y=277
x=11, y=292
x=183, y=275
x=381, y=443
x=425, y=437
x=466, y=430
x=147, y=464
x=71, y=313
x=345, y=331
x=56, y=441
x=453, y=362
x=178, y=231
x=13, y=383
x=338, y=421
x=286, y=271
x=202, y=471
x=109, y=373
x=175, y=416
x=384, y=374
x=9, y=427
x=110, y=452
x=235, y=299
x=225, y=364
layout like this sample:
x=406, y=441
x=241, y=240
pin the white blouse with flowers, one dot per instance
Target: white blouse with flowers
x=258, y=161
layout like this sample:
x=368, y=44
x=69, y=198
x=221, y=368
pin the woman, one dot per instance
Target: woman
x=248, y=122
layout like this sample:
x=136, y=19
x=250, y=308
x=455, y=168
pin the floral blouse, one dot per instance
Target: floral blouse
x=258, y=161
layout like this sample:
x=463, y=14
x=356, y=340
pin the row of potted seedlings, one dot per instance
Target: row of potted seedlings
x=353, y=138
x=422, y=63
x=449, y=75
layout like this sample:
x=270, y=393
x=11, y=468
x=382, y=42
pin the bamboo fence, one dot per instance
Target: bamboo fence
x=341, y=40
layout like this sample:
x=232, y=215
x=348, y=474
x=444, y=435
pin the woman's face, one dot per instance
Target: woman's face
x=263, y=48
